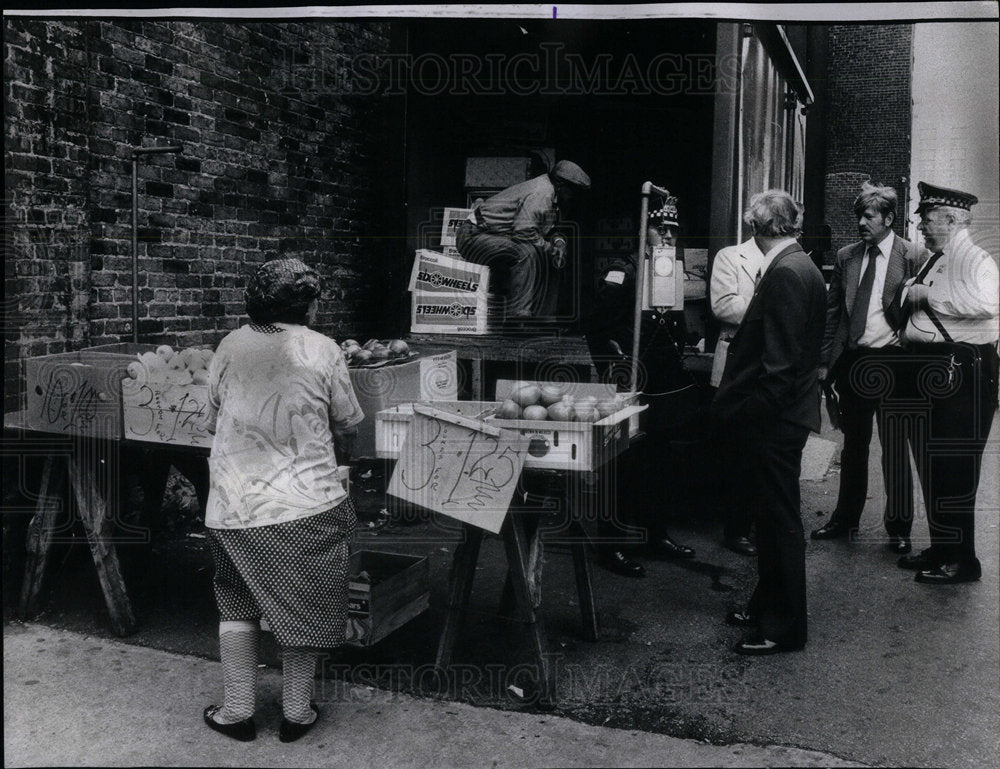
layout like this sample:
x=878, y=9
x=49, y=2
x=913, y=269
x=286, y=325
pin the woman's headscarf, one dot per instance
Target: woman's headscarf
x=279, y=287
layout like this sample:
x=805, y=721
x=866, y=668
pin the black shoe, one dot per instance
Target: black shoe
x=618, y=562
x=665, y=547
x=741, y=545
x=290, y=731
x=900, y=545
x=950, y=574
x=757, y=646
x=920, y=562
x=244, y=731
x=740, y=618
x=832, y=530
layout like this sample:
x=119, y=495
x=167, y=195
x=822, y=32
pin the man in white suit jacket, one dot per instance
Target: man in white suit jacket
x=735, y=272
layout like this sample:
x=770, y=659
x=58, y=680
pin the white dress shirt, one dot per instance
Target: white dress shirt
x=878, y=332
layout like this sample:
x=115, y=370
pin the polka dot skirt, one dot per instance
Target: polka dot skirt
x=292, y=574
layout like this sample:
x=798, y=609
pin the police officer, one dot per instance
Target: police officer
x=950, y=311
x=668, y=389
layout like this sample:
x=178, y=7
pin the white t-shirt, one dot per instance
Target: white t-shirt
x=277, y=397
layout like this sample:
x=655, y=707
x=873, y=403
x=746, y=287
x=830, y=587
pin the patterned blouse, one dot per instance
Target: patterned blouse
x=277, y=393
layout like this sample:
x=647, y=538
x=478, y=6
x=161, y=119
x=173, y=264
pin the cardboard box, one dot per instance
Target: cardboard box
x=435, y=273
x=394, y=589
x=439, y=313
x=171, y=414
x=419, y=378
x=453, y=217
x=79, y=393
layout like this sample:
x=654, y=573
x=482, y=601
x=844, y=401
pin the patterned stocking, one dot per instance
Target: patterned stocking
x=238, y=650
x=298, y=671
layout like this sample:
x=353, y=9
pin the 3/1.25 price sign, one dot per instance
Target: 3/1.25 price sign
x=459, y=467
x=170, y=414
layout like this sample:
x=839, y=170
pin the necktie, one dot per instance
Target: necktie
x=859, y=315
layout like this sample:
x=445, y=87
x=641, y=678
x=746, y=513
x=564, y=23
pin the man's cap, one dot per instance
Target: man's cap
x=571, y=173
x=667, y=214
x=932, y=197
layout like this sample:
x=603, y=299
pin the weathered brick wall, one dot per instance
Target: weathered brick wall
x=868, y=119
x=275, y=161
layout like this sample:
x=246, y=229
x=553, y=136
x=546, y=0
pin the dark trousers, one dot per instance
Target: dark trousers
x=774, y=454
x=646, y=483
x=869, y=386
x=956, y=392
x=517, y=268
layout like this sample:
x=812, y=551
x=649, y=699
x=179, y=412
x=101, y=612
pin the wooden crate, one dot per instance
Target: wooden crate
x=581, y=446
x=79, y=393
x=396, y=591
x=392, y=424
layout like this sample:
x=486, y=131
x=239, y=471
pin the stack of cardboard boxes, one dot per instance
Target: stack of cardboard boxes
x=449, y=294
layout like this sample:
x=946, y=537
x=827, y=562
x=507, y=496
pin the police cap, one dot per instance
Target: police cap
x=932, y=197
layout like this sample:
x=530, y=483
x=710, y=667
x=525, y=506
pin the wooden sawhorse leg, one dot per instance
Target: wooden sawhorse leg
x=463, y=569
x=38, y=541
x=516, y=545
x=462, y=572
x=584, y=584
x=100, y=536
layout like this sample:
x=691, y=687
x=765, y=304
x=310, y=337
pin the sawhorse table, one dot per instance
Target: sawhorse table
x=522, y=538
x=81, y=466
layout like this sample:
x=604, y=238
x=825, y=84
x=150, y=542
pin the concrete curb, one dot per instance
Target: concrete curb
x=75, y=700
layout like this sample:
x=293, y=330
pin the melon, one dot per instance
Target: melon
x=535, y=413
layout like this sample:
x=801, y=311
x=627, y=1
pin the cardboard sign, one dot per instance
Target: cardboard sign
x=163, y=413
x=459, y=467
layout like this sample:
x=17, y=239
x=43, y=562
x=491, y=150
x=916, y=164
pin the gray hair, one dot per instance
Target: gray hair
x=961, y=216
x=773, y=214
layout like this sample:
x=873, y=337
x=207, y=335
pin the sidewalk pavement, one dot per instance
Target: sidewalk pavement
x=75, y=700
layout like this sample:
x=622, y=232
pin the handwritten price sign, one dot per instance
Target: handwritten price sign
x=459, y=467
x=163, y=413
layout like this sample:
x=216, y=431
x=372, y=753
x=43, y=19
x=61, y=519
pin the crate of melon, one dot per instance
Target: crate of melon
x=165, y=397
x=582, y=427
x=571, y=425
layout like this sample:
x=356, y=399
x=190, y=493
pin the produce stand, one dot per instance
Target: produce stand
x=459, y=459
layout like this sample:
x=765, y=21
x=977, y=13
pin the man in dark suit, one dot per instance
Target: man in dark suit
x=769, y=399
x=862, y=354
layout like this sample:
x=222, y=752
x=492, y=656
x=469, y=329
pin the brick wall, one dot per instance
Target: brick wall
x=868, y=120
x=274, y=161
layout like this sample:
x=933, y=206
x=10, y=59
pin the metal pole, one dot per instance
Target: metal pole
x=648, y=188
x=135, y=248
x=135, y=226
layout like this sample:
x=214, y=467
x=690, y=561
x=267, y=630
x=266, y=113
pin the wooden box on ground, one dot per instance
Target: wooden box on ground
x=79, y=393
x=396, y=590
